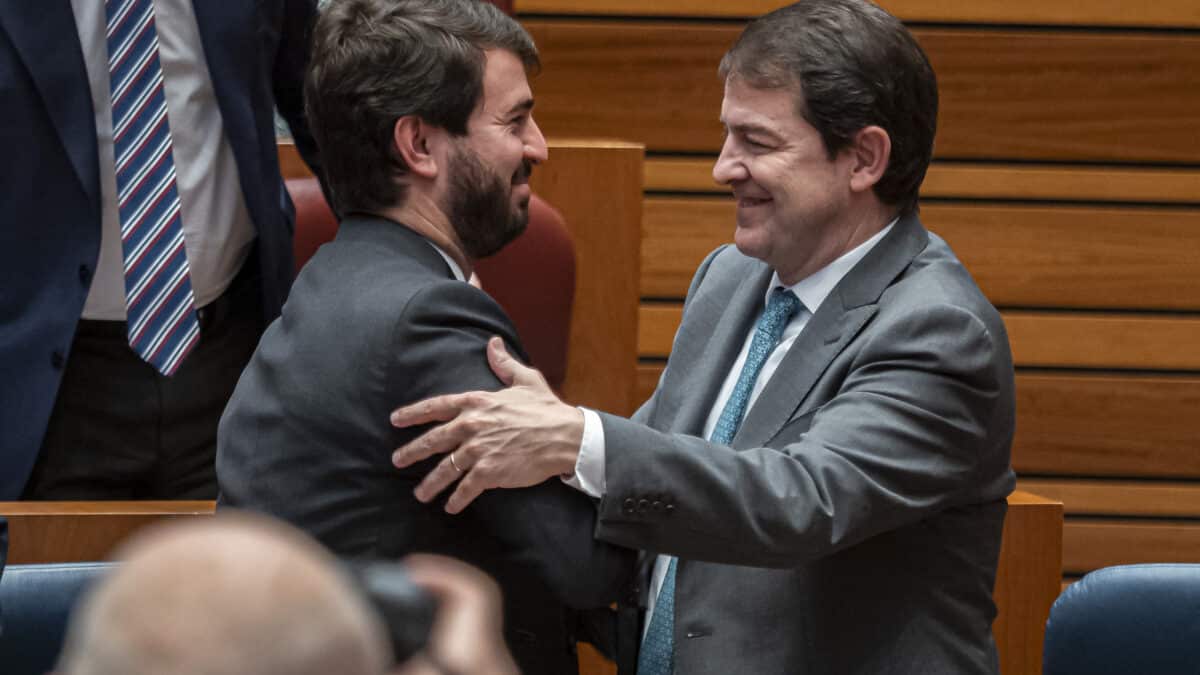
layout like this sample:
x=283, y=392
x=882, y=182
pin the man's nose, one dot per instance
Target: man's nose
x=535, y=144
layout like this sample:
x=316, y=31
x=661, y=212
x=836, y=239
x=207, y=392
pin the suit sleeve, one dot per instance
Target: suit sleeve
x=441, y=343
x=912, y=431
x=287, y=79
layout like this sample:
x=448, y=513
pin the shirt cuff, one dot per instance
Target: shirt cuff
x=589, y=467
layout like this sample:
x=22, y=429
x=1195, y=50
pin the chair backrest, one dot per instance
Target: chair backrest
x=533, y=278
x=1127, y=619
x=37, y=601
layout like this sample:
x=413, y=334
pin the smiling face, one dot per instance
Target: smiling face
x=487, y=190
x=794, y=203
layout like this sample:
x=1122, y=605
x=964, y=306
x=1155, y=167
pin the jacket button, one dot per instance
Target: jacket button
x=629, y=505
x=85, y=274
x=642, y=505
x=657, y=506
x=670, y=508
x=57, y=359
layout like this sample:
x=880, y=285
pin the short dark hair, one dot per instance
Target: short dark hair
x=854, y=65
x=375, y=61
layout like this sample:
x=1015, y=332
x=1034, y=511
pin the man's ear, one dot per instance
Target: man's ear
x=412, y=137
x=870, y=151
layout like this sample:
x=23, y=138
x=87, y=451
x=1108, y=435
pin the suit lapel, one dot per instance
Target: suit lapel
x=707, y=362
x=839, y=319
x=44, y=34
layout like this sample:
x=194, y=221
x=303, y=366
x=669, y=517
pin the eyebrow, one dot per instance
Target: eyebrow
x=523, y=106
x=750, y=128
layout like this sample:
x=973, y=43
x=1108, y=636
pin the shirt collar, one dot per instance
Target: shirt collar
x=813, y=289
x=454, y=268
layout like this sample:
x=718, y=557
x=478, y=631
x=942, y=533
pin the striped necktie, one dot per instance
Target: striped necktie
x=656, y=657
x=161, y=312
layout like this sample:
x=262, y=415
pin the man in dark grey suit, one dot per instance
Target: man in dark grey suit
x=429, y=177
x=820, y=475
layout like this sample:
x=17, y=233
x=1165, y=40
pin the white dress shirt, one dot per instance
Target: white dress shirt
x=812, y=290
x=217, y=229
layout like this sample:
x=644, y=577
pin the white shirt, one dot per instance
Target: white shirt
x=217, y=229
x=812, y=290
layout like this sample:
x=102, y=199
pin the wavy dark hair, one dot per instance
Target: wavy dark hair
x=375, y=61
x=853, y=65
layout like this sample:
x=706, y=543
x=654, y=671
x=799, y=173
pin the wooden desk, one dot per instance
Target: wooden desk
x=1027, y=581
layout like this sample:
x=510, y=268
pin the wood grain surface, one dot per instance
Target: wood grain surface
x=1057, y=256
x=1005, y=94
x=1093, y=13
x=983, y=180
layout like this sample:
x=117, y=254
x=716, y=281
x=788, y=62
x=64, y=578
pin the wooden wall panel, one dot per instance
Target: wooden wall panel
x=1093, y=13
x=1090, y=543
x=1038, y=339
x=42, y=532
x=605, y=226
x=1101, y=497
x=976, y=180
x=1107, y=425
x=1005, y=94
x=1096, y=425
x=1021, y=255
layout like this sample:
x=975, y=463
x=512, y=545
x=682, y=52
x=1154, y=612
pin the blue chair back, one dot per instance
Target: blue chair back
x=37, y=601
x=1127, y=619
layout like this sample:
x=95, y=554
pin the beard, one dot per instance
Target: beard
x=479, y=205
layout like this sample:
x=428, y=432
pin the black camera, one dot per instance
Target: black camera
x=407, y=609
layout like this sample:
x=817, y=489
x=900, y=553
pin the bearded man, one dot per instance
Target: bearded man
x=425, y=110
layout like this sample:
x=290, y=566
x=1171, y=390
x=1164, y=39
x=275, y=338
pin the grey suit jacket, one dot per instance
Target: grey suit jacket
x=376, y=320
x=855, y=525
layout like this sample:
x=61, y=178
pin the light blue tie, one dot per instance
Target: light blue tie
x=656, y=657
x=161, y=322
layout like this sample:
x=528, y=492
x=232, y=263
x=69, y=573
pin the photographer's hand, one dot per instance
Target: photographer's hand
x=466, y=637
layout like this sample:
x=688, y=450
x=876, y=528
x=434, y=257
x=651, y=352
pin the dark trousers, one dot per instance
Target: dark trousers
x=121, y=430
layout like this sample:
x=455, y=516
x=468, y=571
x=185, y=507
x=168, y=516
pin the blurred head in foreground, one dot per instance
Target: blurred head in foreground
x=230, y=595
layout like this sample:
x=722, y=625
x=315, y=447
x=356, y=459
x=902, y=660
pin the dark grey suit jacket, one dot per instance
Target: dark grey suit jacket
x=866, y=486
x=374, y=321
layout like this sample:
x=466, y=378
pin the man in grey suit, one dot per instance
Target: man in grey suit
x=429, y=178
x=820, y=475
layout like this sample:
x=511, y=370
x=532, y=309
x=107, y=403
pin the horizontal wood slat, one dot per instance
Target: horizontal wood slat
x=1038, y=339
x=1005, y=94
x=41, y=532
x=1093, y=13
x=965, y=180
x=1104, y=425
x=1084, y=497
x=1090, y=544
x=1109, y=425
x=1025, y=256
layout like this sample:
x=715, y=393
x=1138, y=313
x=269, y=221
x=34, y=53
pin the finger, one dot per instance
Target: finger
x=436, y=409
x=509, y=370
x=438, y=440
x=470, y=487
x=441, y=477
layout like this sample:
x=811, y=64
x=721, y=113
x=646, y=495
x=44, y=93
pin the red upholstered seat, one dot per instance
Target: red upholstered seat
x=533, y=278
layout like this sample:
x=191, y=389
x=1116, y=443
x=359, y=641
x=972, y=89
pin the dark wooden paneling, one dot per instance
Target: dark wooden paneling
x=1038, y=339
x=1131, y=425
x=1005, y=94
x=1023, y=256
x=605, y=227
x=1089, y=544
x=1108, y=426
x=970, y=180
x=42, y=532
x=1098, y=497
x=1092, y=13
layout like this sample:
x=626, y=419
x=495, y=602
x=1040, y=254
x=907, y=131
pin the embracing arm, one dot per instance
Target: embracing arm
x=921, y=423
x=440, y=344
